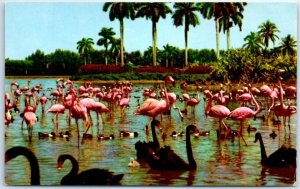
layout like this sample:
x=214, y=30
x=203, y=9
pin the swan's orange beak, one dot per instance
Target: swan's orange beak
x=159, y=126
x=59, y=165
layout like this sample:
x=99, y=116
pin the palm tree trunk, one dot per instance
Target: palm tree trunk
x=106, y=56
x=217, y=39
x=228, y=38
x=186, y=47
x=154, y=42
x=122, y=42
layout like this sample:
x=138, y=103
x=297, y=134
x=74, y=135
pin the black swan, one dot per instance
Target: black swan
x=166, y=159
x=143, y=148
x=283, y=157
x=19, y=150
x=93, y=176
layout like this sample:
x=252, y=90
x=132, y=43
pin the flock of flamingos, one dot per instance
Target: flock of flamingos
x=78, y=103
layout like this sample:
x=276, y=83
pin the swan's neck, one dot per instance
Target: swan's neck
x=34, y=166
x=192, y=162
x=155, y=140
x=262, y=151
x=74, y=170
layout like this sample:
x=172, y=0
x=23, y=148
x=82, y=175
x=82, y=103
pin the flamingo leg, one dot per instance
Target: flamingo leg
x=241, y=133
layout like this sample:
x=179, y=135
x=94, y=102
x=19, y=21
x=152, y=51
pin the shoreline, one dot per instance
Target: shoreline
x=134, y=81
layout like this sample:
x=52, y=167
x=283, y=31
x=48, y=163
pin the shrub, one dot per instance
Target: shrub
x=100, y=68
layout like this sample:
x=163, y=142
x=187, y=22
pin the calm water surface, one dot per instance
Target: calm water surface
x=219, y=163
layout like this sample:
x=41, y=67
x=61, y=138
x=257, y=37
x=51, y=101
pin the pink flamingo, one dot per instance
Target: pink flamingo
x=56, y=109
x=216, y=111
x=243, y=113
x=152, y=107
x=30, y=119
x=124, y=102
x=282, y=109
x=43, y=101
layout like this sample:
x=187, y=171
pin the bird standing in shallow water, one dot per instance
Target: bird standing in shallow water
x=283, y=157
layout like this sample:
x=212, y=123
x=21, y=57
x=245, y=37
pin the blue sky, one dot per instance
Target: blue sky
x=50, y=26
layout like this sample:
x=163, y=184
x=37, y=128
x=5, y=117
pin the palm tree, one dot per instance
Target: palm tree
x=107, y=36
x=253, y=42
x=232, y=16
x=169, y=53
x=115, y=49
x=120, y=11
x=288, y=45
x=153, y=11
x=186, y=11
x=268, y=32
x=216, y=11
x=84, y=47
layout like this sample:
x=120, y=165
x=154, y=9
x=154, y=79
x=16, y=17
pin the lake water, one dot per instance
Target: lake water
x=219, y=163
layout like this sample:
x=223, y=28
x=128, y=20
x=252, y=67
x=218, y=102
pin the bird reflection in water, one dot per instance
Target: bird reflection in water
x=169, y=178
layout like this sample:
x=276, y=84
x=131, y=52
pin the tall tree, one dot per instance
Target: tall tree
x=288, y=45
x=153, y=11
x=84, y=46
x=120, y=11
x=233, y=15
x=268, y=32
x=115, y=49
x=186, y=12
x=169, y=53
x=253, y=42
x=107, y=37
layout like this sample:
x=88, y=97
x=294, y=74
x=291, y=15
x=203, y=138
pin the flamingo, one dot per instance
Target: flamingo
x=56, y=109
x=282, y=109
x=243, y=113
x=30, y=119
x=43, y=101
x=152, y=107
x=216, y=111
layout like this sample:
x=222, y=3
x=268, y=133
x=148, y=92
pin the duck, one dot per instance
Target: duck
x=273, y=135
x=283, y=157
x=65, y=134
x=276, y=122
x=128, y=134
x=46, y=135
x=87, y=136
x=175, y=134
x=249, y=129
x=202, y=133
x=133, y=163
x=102, y=137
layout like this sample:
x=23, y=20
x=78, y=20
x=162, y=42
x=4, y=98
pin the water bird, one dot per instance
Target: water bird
x=250, y=128
x=143, y=149
x=283, y=157
x=46, y=135
x=167, y=159
x=34, y=166
x=65, y=134
x=94, y=176
x=103, y=137
x=273, y=135
x=133, y=163
x=175, y=134
x=202, y=133
x=128, y=134
x=87, y=136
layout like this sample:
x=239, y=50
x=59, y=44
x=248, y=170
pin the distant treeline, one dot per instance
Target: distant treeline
x=66, y=62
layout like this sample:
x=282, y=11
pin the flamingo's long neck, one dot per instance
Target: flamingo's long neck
x=209, y=103
x=281, y=93
x=192, y=162
x=262, y=151
x=257, y=108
